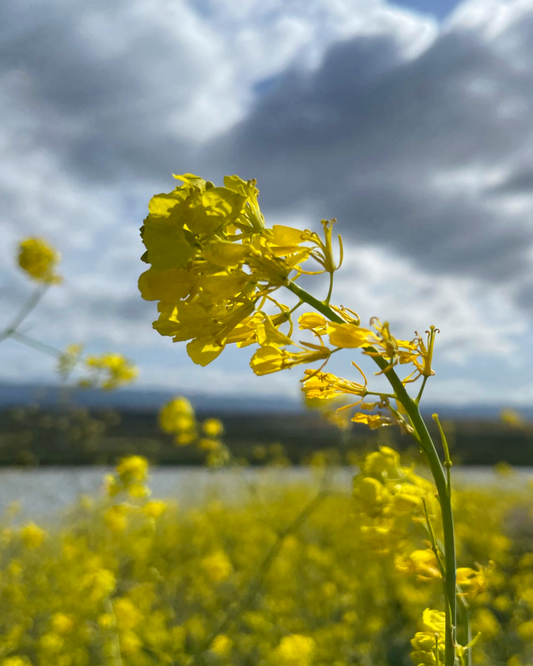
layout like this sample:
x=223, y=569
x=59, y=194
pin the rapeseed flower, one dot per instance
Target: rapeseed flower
x=110, y=371
x=296, y=650
x=39, y=260
x=32, y=535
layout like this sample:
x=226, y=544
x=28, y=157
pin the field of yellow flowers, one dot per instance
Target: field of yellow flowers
x=287, y=577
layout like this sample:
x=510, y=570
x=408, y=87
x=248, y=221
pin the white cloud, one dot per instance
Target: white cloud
x=418, y=138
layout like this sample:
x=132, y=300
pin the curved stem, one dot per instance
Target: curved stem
x=437, y=470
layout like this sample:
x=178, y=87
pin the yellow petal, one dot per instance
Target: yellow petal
x=226, y=254
x=170, y=286
x=204, y=350
x=348, y=336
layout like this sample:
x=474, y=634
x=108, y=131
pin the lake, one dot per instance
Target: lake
x=44, y=492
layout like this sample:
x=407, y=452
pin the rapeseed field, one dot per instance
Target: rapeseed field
x=286, y=576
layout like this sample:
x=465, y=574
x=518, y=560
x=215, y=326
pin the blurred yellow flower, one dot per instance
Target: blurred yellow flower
x=296, y=650
x=213, y=427
x=217, y=566
x=32, y=535
x=39, y=260
x=111, y=371
x=222, y=645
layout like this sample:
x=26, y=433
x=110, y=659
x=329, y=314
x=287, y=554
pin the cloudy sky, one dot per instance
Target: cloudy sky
x=411, y=123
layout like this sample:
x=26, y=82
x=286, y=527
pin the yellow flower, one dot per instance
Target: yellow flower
x=114, y=370
x=116, y=518
x=422, y=563
x=296, y=650
x=209, y=444
x=39, y=260
x=373, y=421
x=221, y=645
x=98, y=584
x=16, y=661
x=32, y=535
x=176, y=415
x=325, y=385
x=512, y=418
x=132, y=469
x=474, y=582
x=315, y=322
x=154, y=508
x=269, y=359
x=348, y=336
x=62, y=623
x=127, y=614
x=217, y=566
x=213, y=427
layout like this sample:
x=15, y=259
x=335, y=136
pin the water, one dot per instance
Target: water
x=45, y=492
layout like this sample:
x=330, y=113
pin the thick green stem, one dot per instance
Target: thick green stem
x=437, y=470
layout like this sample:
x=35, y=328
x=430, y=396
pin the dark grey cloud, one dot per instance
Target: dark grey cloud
x=370, y=138
x=101, y=85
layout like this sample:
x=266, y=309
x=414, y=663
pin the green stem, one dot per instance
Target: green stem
x=437, y=470
x=36, y=344
x=26, y=309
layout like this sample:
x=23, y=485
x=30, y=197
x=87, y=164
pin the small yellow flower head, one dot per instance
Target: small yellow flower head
x=383, y=464
x=177, y=416
x=315, y=322
x=39, y=260
x=185, y=438
x=222, y=645
x=217, y=566
x=154, y=508
x=32, y=535
x=99, y=583
x=127, y=614
x=130, y=643
x=111, y=371
x=434, y=621
x=116, y=518
x=62, y=623
x=471, y=581
x=421, y=563
x=426, y=643
x=372, y=496
x=213, y=427
x=512, y=418
x=296, y=650
x=51, y=642
x=209, y=444
x=106, y=621
x=218, y=457
x=15, y=661
x=132, y=469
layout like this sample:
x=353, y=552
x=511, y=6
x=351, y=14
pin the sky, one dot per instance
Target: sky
x=410, y=123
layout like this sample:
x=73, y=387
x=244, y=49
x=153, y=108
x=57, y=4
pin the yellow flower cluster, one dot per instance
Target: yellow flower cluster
x=39, y=260
x=177, y=418
x=389, y=498
x=110, y=371
x=107, y=371
x=214, y=267
x=428, y=645
x=214, y=262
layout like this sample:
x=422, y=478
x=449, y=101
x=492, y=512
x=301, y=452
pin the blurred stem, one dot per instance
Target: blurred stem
x=424, y=439
x=26, y=309
x=36, y=344
x=261, y=572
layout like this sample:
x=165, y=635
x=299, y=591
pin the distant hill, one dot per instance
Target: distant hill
x=134, y=399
